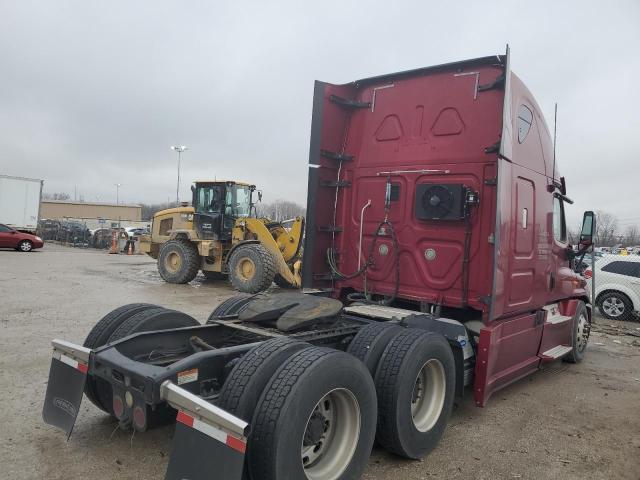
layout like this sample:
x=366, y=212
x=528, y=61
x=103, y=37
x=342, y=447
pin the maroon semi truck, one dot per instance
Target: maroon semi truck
x=435, y=258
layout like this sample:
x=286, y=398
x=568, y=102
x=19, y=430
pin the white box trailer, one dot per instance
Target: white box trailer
x=20, y=202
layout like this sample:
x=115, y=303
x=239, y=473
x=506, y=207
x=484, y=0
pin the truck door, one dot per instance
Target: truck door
x=508, y=346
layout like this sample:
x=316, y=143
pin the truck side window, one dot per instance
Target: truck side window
x=559, y=225
x=524, y=121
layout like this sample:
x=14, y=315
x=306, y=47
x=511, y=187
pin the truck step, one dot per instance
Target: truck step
x=556, y=352
x=558, y=319
x=554, y=316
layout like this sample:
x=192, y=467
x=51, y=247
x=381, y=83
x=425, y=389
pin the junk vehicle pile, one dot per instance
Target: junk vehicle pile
x=435, y=259
x=220, y=235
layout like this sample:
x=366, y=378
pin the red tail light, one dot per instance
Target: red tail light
x=588, y=273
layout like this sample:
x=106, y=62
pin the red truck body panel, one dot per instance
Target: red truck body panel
x=451, y=124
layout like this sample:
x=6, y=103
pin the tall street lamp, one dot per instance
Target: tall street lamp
x=179, y=149
x=118, y=185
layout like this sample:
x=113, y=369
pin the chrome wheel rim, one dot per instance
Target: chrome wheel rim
x=428, y=395
x=613, y=306
x=582, y=335
x=331, y=435
x=25, y=246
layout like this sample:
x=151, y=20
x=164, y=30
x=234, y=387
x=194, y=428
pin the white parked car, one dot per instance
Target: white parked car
x=617, y=286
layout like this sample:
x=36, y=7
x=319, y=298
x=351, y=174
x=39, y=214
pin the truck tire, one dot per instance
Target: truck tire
x=242, y=389
x=580, y=337
x=153, y=319
x=146, y=321
x=315, y=419
x=615, y=305
x=178, y=261
x=371, y=341
x=231, y=306
x=251, y=268
x=214, y=276
x=99, y=336
x=415, y=383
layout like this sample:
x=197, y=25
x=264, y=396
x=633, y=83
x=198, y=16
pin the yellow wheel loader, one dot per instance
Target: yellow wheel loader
x=219, y=236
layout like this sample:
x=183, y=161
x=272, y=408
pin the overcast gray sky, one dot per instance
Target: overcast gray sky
x=93, y=93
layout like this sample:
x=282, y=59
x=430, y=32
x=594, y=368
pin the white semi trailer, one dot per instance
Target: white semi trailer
x=20, y=202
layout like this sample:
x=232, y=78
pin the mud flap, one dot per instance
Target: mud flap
x=208, y=443
x=67, y=377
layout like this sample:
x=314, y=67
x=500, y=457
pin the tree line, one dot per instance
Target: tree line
x=609, y=232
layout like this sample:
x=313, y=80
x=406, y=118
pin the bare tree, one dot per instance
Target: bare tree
x=56, y=196
x=606, y=229
x=280, y=210
x=148, y=210
x=632, y=235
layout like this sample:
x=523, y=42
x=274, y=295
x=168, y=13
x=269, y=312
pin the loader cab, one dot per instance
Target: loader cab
x=217, y=205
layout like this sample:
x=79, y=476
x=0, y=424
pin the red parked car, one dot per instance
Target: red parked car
x=23, y=242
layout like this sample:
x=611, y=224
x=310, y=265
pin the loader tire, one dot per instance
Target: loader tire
x=153, y=319
x=371, y=341
x=231, y=306
x=99, y=336
x=178, y=261
x=415, y=384
x=315, y=419
x=251, y=268
x=244, y=385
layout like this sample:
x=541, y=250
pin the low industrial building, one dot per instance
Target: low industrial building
x=94, y=215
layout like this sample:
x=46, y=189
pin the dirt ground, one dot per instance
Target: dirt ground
x=567, y=421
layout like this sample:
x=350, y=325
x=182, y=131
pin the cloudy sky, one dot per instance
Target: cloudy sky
x=94, y=93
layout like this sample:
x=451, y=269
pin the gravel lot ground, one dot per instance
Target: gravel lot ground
x=567, y=421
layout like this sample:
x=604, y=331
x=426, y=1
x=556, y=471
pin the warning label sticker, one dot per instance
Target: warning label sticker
x=187, y=376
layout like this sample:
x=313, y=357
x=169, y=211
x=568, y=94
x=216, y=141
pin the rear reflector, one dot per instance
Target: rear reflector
x=118, y=406
x=213, y=432
x=588, y=273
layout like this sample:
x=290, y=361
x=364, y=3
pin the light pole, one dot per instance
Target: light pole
x=179, y=149
x=118, y=185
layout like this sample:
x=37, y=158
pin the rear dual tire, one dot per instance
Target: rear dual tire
x=312, y=411
x=414, y=374
x=122, y=322
x=415, y=384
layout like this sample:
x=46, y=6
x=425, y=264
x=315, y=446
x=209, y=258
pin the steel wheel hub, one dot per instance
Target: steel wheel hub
x=331, y=436
x=613, y=306
x=246, y=268
x=428, y=395
x=582, y=336
x=173, y=262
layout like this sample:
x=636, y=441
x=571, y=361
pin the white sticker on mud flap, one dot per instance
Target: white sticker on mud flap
x=187, y=376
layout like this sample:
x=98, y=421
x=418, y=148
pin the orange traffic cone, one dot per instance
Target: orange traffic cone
x=130, y=250
x=114, y=242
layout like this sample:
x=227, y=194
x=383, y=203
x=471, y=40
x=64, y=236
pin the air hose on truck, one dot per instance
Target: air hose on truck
x=382, y=228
